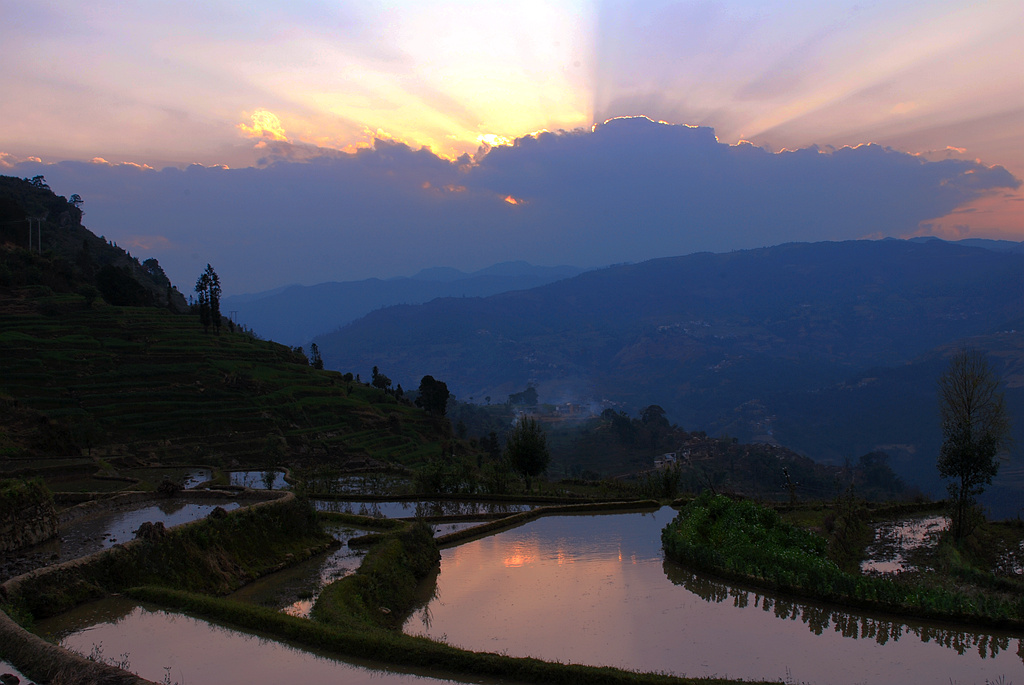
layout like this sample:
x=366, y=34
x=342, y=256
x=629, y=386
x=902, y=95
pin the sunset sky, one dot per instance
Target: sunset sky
x=273, y=86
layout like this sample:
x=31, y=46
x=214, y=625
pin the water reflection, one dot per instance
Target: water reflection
x=259, y=480
x=597, y=590
x=820, y=618
x=105, y=529
x=189, y=650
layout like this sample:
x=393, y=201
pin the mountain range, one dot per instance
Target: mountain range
x=294, y=314
x=830, y=348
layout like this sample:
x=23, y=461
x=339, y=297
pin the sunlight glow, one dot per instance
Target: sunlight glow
x=265, y=125
x=494, y=140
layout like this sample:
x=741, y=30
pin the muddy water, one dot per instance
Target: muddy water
x=409, y=509
x=169, y=647
x=596, y=590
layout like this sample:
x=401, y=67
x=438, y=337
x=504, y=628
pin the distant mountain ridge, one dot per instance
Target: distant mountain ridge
x=744, y=342
x=293, y=315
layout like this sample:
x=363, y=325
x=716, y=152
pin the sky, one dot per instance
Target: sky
x=308, y=141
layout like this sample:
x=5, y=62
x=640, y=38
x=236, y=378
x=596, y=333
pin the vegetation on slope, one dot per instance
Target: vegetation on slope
x=144, y=382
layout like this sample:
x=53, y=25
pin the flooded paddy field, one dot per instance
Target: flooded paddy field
x=104, y=529
x=588, y=589
x=597, y=590
x=170, y=647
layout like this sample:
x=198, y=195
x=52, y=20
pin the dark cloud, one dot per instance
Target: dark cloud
x=627, y=191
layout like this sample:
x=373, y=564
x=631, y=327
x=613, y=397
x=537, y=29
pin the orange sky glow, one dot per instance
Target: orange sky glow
x=152, y=85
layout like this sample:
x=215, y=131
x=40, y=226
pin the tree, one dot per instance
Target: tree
x=975, y=428
x=315, y=360
x=381, y=382
x=433, y=396
x=527, y=397
x=527, y=449
x=208, y=287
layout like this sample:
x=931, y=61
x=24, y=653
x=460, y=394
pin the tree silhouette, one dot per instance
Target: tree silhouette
x=315, y=360
x=975, y=429
x=433, y=396
x=208, y=288
x=527, y=450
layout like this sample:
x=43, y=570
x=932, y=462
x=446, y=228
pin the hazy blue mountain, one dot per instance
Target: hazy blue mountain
x=989, y=244
x=826, y=347
x=294, y=314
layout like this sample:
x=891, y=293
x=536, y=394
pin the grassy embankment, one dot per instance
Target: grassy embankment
x=750, y=543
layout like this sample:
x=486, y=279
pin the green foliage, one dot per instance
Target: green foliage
x=17, y=495
x=383, y=590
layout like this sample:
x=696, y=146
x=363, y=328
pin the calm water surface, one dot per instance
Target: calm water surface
x=596, y=590
x=194, y=652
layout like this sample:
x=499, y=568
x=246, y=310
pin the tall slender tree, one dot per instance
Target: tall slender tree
x=208, y=288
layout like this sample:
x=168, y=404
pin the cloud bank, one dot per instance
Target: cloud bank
x=628, y=190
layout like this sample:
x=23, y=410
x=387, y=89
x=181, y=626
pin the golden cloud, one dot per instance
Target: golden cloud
x=265, y=125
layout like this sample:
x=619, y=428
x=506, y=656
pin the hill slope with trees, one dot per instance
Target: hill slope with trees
x=788, y=344
x=117, y=372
